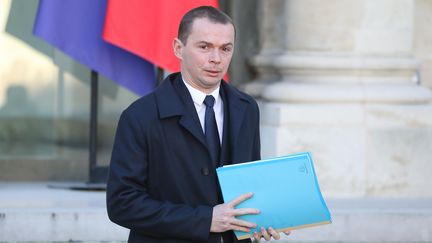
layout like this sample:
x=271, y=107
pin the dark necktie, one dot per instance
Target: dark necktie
x=211, y=131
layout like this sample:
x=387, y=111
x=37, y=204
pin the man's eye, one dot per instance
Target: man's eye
x=204, y=47
x=227, y=49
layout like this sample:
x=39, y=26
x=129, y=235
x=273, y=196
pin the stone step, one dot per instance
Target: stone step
x=33, y=212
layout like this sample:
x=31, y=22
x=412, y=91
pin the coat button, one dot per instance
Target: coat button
x=205, y=171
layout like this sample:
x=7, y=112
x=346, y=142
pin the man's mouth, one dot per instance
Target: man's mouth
x=213, y=73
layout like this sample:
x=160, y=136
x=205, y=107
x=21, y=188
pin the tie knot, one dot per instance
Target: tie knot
x=209, y=101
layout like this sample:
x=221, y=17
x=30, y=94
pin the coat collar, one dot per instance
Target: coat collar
x=173, y=99
x=167, y=99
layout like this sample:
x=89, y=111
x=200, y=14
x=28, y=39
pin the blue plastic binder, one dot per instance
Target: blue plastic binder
x=286, y=191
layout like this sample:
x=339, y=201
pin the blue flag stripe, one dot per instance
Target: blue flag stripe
x=75, y=27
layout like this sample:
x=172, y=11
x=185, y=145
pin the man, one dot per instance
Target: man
x=162, y=183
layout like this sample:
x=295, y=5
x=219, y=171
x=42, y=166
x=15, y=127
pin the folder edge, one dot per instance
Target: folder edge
x=248, y=236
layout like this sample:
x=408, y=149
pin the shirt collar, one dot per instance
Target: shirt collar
x=199, y=96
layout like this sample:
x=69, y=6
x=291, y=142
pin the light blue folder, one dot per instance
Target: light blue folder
x=286, y=191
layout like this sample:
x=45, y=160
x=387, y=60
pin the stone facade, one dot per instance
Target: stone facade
x=341, y=79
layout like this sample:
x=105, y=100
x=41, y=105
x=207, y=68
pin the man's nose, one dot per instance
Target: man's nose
x=215, y=56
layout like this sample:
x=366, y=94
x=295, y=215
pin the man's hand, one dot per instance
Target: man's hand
x=268, y=234
x=224, y=216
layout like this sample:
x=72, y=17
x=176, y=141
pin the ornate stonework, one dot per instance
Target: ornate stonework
x=340, y=79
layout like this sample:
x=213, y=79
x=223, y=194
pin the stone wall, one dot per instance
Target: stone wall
x=341, y=79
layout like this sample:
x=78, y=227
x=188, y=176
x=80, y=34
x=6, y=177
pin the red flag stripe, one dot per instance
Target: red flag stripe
x=147, y=28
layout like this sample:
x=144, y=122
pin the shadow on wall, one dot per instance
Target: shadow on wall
x=26, y=132
x=22, y=132
x=17, y=103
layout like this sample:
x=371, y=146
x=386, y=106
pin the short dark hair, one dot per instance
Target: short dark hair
x=213, y=14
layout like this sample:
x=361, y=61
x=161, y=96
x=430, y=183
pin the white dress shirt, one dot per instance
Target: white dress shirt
x=198, y=100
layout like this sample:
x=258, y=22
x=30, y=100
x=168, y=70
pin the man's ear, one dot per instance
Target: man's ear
x=178, y=48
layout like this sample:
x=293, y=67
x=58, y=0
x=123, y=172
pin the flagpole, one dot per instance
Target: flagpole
x=94, y=86
x=97, y=174
x=159, y=75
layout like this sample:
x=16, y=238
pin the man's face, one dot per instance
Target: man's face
x=207, y=54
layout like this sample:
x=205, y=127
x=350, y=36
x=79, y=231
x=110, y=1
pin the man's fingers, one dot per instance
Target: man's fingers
x=268, y=234
x=243, y=211
x=274, y=233
x=240, y=228
x=240, y=199
x=243, y=223
x=256, y=236
x=265, y=234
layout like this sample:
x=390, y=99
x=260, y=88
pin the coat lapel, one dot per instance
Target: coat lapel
x=225, y=151
x=174, y=99
x=237, y=106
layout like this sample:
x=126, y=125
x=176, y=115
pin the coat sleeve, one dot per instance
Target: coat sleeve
x=128, y=202
x=257, y=139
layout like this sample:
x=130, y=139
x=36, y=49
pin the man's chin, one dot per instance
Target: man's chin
x=211, y=82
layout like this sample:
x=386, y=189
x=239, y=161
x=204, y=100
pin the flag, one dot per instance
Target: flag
x=75, y=27
x=147, y=28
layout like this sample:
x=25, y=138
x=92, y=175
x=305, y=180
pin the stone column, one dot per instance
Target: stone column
x=338, y=78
